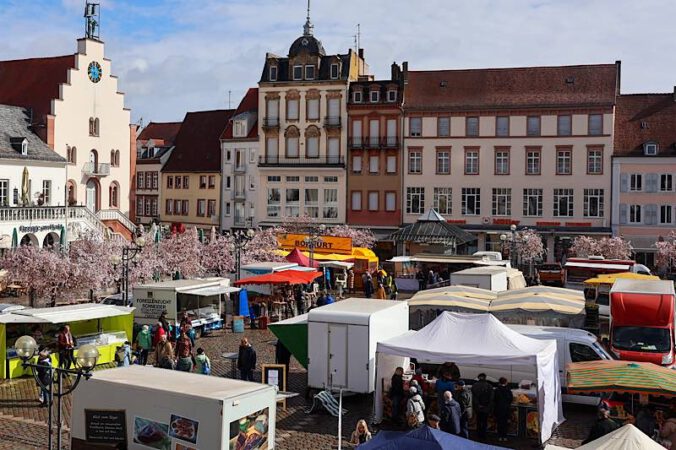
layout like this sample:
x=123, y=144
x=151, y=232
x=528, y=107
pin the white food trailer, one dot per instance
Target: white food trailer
x=200, y=298
x=486, y=277
x=342, y=340
x=141, y=407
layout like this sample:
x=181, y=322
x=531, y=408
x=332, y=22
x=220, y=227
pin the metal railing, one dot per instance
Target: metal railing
x=94, y=169
x=271, y=122
x=374, y=142
x=116, y=214
x=286, y=161
x=332, y=122
x=240, y=168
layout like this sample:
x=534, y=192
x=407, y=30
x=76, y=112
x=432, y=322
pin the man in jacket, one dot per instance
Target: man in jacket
x=482, y=397
x=450, y=414
x=503, y=405
x=65, y=345
x=397, y=393
x=465, y=400
x=604, y=425
x=246, y=361
x=144, y=343
x=184, y=353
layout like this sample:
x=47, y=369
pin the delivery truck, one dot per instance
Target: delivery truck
x=200, y=299
x=142, y=407
x=642, y=321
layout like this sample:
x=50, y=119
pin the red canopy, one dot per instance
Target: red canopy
x=283, y=277
x=296, y=256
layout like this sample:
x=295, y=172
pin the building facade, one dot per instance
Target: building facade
x=78, y=111
x=191, y=178
x=489, y=148
x=240, y=176
x=153, y=149
x=302, y=105
x=644, y=171
x=374, y=166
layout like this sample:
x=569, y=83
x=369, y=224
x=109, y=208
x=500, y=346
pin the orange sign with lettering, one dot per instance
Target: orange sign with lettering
x=323, y=244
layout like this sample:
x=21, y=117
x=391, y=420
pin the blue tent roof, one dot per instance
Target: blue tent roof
x=424, y=437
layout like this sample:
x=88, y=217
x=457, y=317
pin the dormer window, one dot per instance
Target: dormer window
x=334, y=71
x=24, y=147
x=297, y=72
x=650, y=148
x=375, y=96
x=240, y=129
x=391, y=95
x=273, y=73
x=20, y=144
x=309, y=72
x=357, y=96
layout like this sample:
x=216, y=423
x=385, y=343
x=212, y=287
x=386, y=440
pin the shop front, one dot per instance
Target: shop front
x=105, y=326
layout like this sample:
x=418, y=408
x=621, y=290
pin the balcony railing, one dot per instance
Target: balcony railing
x=374, y=142
x=240, y=168
x=96, y=170
x=332, y=122
x=239, y=195
x=270, y=122
x=333, y=161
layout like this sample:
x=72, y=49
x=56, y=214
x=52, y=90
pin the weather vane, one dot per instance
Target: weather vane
x=92, y=20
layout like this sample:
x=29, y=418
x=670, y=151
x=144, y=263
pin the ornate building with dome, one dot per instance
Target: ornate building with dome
x=302, y=126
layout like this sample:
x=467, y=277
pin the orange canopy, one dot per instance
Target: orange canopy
x=283, y=277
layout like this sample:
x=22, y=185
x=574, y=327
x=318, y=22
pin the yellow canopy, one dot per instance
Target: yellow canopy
x=609, y=278
x=357, y=253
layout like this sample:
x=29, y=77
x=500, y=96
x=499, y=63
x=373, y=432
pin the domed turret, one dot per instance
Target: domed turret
x=307, y=41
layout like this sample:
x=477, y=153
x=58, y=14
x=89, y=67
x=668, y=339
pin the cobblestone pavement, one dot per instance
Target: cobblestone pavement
x=23, y=422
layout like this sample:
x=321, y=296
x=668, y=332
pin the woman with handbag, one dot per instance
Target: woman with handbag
x=164, y=354
x=202, y=362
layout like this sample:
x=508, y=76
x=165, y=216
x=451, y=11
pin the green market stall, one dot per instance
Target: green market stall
x=105, y=326
x=293, y=334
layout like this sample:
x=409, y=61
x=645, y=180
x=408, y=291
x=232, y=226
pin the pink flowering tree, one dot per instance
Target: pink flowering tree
x=528, y=245
x=42, y=271
x=666, y=252
x=610, y=248
x=584, y=246
x=360, y=237
x=263, y=247
x=89, y=264
x=218, y=255
x=181, y=252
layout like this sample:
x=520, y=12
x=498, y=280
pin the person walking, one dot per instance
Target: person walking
x=123, y=355
x=421, y=280
x=144, y=343
x=450, y=412
x=350, y=281
x=184, y=352
x=202, y=362
x=380, y=293
x=65, y=345
x=164, y=354
x=394, y=290
x=44, y=374
x=503, y=405
x=164, y=323
x=361, y=433
x=482, y=398
x=415, y=408
x=465, y=400
x=397, y=394
x=604, y=425
x=246, y=360
x=158, y=332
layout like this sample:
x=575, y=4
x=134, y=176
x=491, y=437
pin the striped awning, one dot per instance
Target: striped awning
x=464, y=297
x=609, y=278
x=540, y=298
x=622, y=377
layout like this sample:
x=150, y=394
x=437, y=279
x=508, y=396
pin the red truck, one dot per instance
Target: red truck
x=642, y=320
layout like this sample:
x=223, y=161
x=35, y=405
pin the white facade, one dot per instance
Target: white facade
x=100, y=166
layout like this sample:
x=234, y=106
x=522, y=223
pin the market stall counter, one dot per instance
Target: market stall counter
x=105, y=326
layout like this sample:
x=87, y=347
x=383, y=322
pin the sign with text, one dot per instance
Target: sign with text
x=323, y=244
x=151, y=308
x=105, y=427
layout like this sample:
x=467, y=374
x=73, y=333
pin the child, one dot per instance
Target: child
x=203, y=364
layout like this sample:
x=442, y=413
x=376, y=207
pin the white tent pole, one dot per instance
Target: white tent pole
x=340, y=419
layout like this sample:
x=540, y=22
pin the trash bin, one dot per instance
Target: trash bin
x=238, y=324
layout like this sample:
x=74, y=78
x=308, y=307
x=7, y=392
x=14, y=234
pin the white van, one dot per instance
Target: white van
x=572, y=345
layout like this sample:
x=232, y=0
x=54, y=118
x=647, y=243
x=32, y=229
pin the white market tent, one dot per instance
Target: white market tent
x=480, y=339
x=627, y=437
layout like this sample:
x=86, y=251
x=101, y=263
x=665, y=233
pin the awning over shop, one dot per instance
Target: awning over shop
x=215, y=290
x=357, y=253
x=622, y=377
x=283, y=277
x=71, y=313
x=431, y=228
x=293, y=334
x=336, y=264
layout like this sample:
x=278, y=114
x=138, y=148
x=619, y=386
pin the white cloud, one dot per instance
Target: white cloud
x=180, y=55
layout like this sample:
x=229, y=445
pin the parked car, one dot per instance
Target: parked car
x=551, y=274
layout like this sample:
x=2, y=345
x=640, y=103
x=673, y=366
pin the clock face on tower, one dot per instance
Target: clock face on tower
x=94, y=71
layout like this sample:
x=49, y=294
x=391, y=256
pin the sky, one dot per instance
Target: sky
x=174, y=56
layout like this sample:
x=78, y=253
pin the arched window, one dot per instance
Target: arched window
x=71, y=155
x=72, y=192
x=112, y=158
x=312, y=135
x=292, y=136
x=113, y=195
x=117, y=158
x=91, y=126
x=96, y=126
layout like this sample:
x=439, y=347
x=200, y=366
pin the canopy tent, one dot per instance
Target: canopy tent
x=481, y=339
x=296, y=256
x=293, y=334
x=422, y=438
x=609, y=278
x=283, y=277
x=357, y=253
x=627, y=437
x=432, y=228
x=544, y=305
x=72, y=313
x=213, y=290
x=622, y=377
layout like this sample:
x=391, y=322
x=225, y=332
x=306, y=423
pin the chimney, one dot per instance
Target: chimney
x=674, y=95
x=361, y=53
x=404, y=71
x=395, y=72
x=618, y=69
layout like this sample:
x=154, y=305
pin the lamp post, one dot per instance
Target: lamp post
x=240, y=239
x=87, y=356
x=314, y=237
x=129, y=252
x=512, y=243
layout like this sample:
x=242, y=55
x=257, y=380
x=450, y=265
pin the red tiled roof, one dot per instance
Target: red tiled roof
x=592, y=85
x=33, y=83
x=198, y=145
x=658, y=114
x=248, y=103
x=160, y=131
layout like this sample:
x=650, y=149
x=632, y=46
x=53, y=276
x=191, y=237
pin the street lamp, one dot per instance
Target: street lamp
x=87, y=356
x=240, y=239
x=315, y=237
x=129, y=252
x=512, y=243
